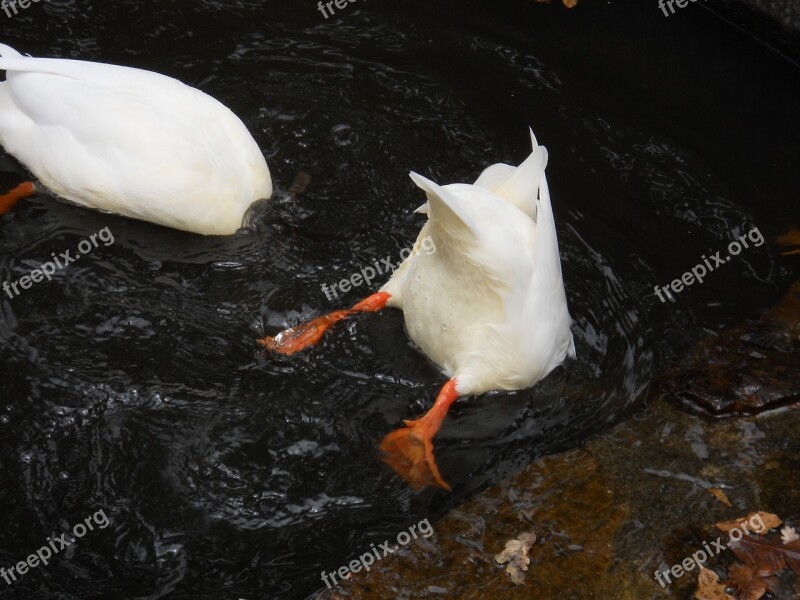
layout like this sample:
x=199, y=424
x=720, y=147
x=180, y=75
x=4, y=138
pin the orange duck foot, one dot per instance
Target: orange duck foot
x=8, y=200
x=409, y=450
x=301, y=336
x=307, y=334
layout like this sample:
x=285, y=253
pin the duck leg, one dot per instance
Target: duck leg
x=307, y=334
x=8, y=200
x=409, y=450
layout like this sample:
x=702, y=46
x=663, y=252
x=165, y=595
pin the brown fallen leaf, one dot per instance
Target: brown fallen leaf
x=768, y=557
x=720, y=495
x=745, y=524
x=709, y=587
x=516, y=555
x=748, y=583
x=300, y=184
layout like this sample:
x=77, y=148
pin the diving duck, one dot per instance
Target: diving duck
x=128, y=141
x=488, y=306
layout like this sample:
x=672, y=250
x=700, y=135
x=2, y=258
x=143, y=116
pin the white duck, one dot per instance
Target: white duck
x=488, y=305
x=129, y=141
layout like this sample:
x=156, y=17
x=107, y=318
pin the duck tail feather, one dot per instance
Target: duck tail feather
x=445, y=211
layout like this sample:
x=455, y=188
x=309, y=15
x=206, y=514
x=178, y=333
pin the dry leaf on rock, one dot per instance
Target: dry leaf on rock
x=749, y=584
x=516, y=555
x=709, y=587
x=768, y=557
x=788, y=535
x=770, y=521
x=720, y=495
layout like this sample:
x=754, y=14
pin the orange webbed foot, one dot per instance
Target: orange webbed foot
x=409, y=450
x=8, y=200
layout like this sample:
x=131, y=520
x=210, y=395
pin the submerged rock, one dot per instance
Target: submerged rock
x=608, y=515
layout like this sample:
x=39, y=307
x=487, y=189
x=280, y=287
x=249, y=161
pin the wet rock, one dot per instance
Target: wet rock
x=607, y=515
x=748, y=369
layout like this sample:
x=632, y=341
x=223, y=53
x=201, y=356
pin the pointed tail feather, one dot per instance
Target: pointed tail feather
x=518, y=185
x=534, y=143
x=524, y=183
x=444, y=210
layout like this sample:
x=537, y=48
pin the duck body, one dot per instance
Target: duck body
x=488, y=304
x=482, y=296
x=131, y=142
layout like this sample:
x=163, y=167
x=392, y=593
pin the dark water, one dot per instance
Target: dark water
x=131, y=383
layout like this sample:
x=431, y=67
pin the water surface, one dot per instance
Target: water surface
x=132, y=381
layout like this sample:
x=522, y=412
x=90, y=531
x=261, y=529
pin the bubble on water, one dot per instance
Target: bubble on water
x=343, y=135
